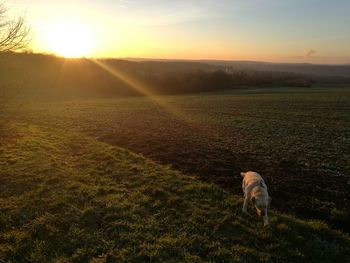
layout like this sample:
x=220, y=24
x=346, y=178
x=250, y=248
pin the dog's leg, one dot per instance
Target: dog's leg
x=265, y=217
x=266, y=220
x=247, y=196
x=246, y=201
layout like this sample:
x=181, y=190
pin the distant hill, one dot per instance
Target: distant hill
x=43, y=76
x=257, y=72
x=300, y=68
x=164, y=66
x=341, y=70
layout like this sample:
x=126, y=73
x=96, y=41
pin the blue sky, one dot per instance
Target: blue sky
x=272, y=30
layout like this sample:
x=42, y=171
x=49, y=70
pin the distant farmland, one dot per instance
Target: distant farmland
x=297, y=139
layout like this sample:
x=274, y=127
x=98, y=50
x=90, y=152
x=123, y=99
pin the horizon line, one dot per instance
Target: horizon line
x=203, y=60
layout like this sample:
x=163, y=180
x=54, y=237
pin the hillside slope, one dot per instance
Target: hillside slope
x=67, y=197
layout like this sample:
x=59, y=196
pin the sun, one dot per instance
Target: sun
x=69, y=39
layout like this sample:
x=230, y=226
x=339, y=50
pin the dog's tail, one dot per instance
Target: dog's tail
x=242, y=174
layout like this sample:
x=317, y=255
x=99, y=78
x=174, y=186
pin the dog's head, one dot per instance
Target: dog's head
x=261, y=205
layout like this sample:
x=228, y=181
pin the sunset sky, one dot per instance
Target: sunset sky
x=314, y=31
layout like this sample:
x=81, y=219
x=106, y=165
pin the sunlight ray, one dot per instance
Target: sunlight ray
x=145, y=90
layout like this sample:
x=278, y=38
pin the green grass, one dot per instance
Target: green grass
x=296, y=138
x=67, y=197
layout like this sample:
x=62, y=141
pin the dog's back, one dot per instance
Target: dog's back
x=250, y=178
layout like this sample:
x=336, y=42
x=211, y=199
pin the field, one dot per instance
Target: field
x=294, y=138
x=67, y=185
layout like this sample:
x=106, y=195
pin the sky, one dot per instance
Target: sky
x=312, y=31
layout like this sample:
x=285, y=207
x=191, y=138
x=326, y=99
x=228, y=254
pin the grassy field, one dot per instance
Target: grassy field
x=67, y=197
x=296, y=138
x=68, y=192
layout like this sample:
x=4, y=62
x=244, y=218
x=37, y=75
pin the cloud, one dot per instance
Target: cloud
x=309, y=53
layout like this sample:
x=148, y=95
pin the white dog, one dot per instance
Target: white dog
x=255, y=190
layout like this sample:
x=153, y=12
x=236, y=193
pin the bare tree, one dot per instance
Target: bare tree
x=14, y=34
